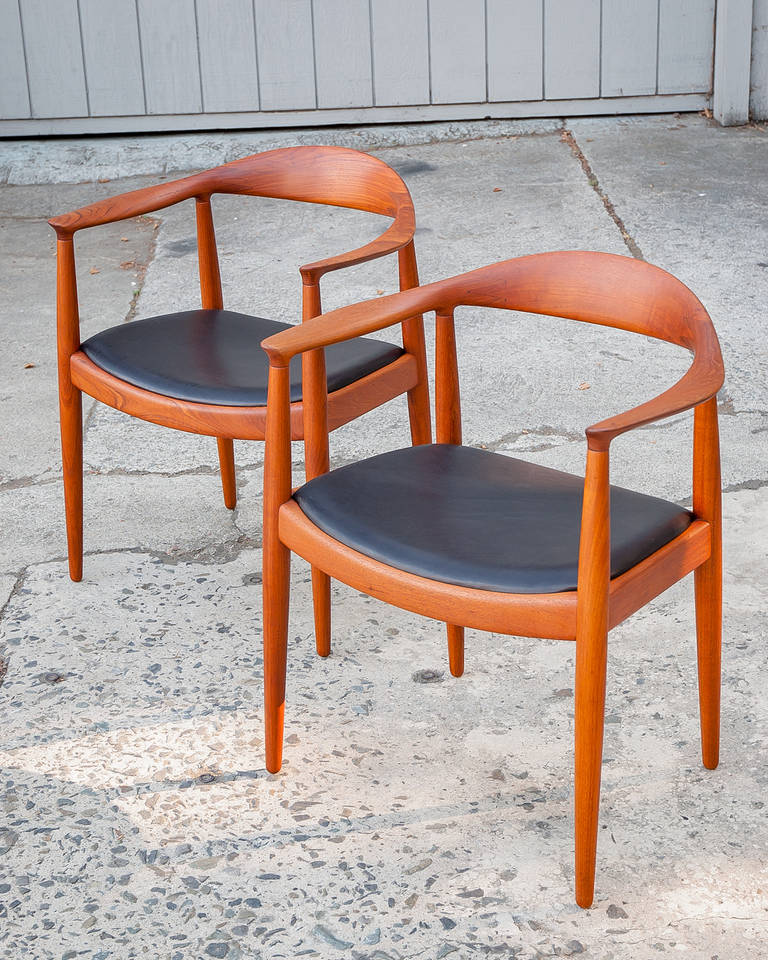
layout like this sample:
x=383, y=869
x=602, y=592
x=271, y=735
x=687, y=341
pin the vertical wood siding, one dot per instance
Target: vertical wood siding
x=515, y=50
x=630, y=33
x=457, y=40
x=112, y=57
x=571, y=49
x=137, y=58
x=54, y=54
x=686, y=44
x=400, y=47
x=286, y=54
x=227, y=48
x=14, y=95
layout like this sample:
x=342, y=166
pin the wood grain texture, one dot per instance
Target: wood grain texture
x=54, y=58
x=651, y=577
x=242, y=423
x=70, y=403
x=447, y=394
x=14, y=93
x=591, y=659
x=599, y=288
x=457, y=51
x=524, y=615
x=316, y=456
x=707, y=503
x=276, y=571
x=515, y=50
x=226, y=451
x=455, y=649
x=336, y=176
x=110, y=34
x=227, y=47
x=419, y=414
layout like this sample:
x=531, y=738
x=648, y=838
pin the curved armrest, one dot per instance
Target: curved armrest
x=346, y=323
x=396, y=236
x=700, y=383
x=127, y=205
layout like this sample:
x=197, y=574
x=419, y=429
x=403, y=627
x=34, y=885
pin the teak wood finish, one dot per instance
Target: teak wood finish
x=334, y=176
x=591, y=287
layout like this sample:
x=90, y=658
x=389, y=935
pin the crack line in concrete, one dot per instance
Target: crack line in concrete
x=567, y=137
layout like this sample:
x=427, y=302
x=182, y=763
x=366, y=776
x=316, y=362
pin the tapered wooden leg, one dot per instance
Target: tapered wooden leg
x=71, y=411
x=455, y=649
x=708, y=577
x=708, y=587
x=276, y=587
x=227, y=467
x=591, y=649
x=591, y=656
x=419, y=413
x=321, y=600
x=276, y=569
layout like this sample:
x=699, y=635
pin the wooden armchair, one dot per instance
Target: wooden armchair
x=203, y=371
x=477, y=539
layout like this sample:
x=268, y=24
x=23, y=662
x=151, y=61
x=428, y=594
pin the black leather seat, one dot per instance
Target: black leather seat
x=479, y=519
x=215, y=356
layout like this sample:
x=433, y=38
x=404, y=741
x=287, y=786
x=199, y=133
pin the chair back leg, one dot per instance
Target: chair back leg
x=321, y=602
x=71, y=413
x=591, y=657
x=455, y=649
x=419, y=414
x=227, y=467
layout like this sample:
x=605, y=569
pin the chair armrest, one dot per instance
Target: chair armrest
x=397, y=235
x=346, y=323
x=127, y=205
x=700, y=383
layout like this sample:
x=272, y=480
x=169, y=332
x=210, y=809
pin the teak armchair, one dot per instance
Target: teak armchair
x=203, y=371
x=481, y=540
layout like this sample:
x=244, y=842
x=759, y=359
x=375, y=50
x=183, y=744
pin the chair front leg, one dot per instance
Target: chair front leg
x=276, y=569
x=316, y=456
x=591, y=657
x=708, y=578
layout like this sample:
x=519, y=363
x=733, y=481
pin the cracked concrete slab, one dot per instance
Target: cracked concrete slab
x=416, y=815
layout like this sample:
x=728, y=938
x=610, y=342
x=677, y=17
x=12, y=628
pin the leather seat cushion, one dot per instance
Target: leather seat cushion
x=479, y=519
x=215, y=356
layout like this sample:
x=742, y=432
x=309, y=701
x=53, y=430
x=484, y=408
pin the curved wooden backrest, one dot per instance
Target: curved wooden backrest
x=602, y=288
x=337, y=176
x=597, y=288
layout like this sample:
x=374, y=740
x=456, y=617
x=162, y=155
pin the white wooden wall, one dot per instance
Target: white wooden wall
x=69, y=66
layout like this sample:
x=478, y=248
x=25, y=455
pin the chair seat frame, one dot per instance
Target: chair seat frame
x=596, y=288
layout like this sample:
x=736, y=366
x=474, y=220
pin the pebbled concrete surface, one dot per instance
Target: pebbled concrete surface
x=416, y=815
